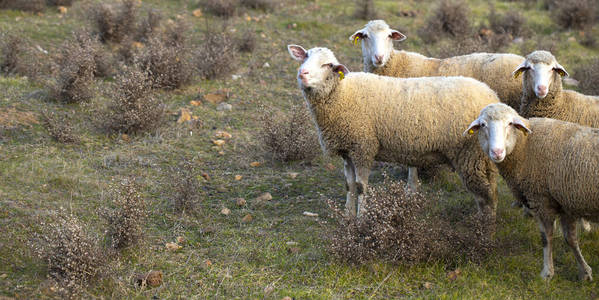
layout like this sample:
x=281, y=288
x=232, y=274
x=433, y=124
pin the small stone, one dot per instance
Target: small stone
x=291, y=243
x=151, y=279
x=184, y=115
x=427, y=285
x=197, y=13
x=453, y=275
x=206, y=176
x=222, y=135
x=235, y=77
x=63, y=9
x=218, y=142
x=172, y=246
x=208, y=263
x=125, y=137
x=215, y=98
x=247, y=218
x=293, y=175
x=264, y=197
x=225, y=211
x=240, y=201
x=221, y=152
x=224, y=107
x=310, y=214
x=180, y=240
x=195, y=103
x=255, y=164
x=238, y=177
x=518, y=40
x=266, y=65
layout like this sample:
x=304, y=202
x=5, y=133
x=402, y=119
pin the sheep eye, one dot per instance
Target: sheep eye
x=327, y=65
x=482, y=125
x=364, y=36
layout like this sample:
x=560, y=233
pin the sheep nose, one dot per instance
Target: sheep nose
x=378, y=58
x=497, y=153
x=303, y=73
x=542, y=89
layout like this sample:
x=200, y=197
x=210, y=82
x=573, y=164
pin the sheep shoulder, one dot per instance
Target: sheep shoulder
x=582, y=109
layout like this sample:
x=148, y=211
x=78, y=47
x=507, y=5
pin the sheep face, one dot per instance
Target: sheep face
x=377, y=42
x=540, y=69
x=498, y=126
x=319, y=67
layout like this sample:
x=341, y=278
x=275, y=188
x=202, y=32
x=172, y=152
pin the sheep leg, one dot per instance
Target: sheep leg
x=569, y=231
x=413, y=182
x=362, y=174
x=546, y=228
x=479, y=176
x=350, y=185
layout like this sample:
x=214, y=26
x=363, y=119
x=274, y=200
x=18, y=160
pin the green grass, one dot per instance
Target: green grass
x=38, y=175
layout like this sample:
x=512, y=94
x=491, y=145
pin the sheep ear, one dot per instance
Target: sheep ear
x=340, y=68
x=520, y=69
x=397, y=36
x=520, y=124
x=474, y=126
x=560, y=70
x=297, y=52
x=357, y=36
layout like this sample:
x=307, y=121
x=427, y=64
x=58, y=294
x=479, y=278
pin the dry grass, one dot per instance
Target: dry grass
x=133, y=107
x=291, y=136
x=76, y=67
x=73, y=255
x=588, y=75
x=450, y=18
x=217, y=56
x=126, y=220
x=401, y=226
x=576, y=14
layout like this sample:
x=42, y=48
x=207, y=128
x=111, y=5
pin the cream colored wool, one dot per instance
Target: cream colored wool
x=553, y=172
x=566, y=105
x=494, y=69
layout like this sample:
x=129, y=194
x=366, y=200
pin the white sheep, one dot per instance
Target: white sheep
x=550, y=166
x=379, y=57
x=364, y=117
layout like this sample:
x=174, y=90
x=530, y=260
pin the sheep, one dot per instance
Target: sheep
x=550, y=166
x=379, y=57
x=544, y=96
x=415, y=121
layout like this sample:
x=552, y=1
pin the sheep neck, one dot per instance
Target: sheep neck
x=405, y=64
x=316, y=97
x=550, y=106
x=511, y=166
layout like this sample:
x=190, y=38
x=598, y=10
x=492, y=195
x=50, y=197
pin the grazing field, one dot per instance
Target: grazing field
x=129, y=133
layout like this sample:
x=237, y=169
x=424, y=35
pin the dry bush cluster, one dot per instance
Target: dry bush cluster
x=76, y=67
x=217, y=56
x=401, y=226
x=265, y=5
x=126, y=219
x=247, y=42
x=133, y=107
x=114, y=22
x=450, y=18
x=576, y=14
x=512, y=23
x=12, y=49
x=186, y=187
x=73, y=255
x=291, y=136
x=222, y=8
x=588, y=75
x=25, y=5
x=59, y=128
x=365, y=10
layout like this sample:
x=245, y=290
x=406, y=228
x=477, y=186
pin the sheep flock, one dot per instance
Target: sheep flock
x=413, y=110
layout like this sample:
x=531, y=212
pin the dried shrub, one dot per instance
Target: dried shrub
x=576, y=14
x=60, y=2
x=512, y=22
x=76, y=66
x=149, y=25
x=186, y=187
x=247, y=42
x=222, y=8
x=217, y=55
x=114, y=21
x=289, y=137
x=265, y=5
x=73, y=255
x=13, y=49
x=126, y=219
x=59, y=128
x=25, y=5
x=588, y=39
x=588, y=76
x=133, y=107
x=450, y=48
x=167, y=58
x=450, y=18
x=365, y=10
x=103, y=59
x=402, y=226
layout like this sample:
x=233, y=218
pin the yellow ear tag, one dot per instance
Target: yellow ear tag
x=470, y=131
x=356, y=39
x=341, y=75
x=524, y=131
x=517, y=74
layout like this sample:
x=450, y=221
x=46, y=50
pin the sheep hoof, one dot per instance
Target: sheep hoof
x=585, y=275
x=546, y=274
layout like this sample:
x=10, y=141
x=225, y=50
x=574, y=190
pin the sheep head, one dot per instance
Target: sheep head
x=319, y=67
x=377, y=42
x=540, y=71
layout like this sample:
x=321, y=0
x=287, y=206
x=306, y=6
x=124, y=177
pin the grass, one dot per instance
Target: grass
x=38, y=175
